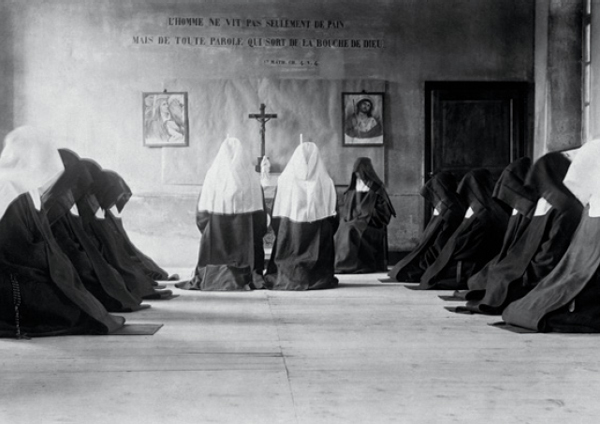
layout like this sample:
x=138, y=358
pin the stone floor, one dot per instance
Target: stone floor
x=366, y=352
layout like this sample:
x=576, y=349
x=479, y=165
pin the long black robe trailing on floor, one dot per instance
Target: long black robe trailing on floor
x=112, y=190
x=509, y=189
x=440, y=192
x=304, y=221
x=102, y=280
x=231, y=255
x=363, y=223
x=543, y=243
x=475, y=242
x=40, y=291
x=568, y=298
x=109, y=242
x=303, y=255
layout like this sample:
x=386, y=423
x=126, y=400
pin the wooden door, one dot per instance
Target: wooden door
x=476, y=125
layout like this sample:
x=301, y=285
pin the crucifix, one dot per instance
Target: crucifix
x=263, y=118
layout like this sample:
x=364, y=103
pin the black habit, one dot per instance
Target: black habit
x=568, y=298
x=475, y=242
x=101, y=279
x=541, y=245
x=304, y=221
x=231, y=218
x=359, y=240
x=110, y=243
x=440, y=193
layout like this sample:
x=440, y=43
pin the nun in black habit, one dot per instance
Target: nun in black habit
x=366, y=212
x=304, y=221
x=449, y=210
x=541, y=245
x=40, y=291
x=232, y=221
x=475, y=242
x=509, y=189
x=110, y=243
x=568, y=298
x=101, y=279
x=113, y=193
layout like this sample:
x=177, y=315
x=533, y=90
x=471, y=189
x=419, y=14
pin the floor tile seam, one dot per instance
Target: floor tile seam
x=283, y=357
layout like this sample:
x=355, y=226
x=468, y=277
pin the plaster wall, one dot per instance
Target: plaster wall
x=77, y=71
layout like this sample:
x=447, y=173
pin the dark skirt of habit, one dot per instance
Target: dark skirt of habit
x=40, y=291
x=411, y=268
x=517, y=224
x=567, y=298
x=359, y=239
x=231, y=253
x=303, y=255
x=531, y=258
x=109, y=242
x=101, y=279
x=476, y=241
x=150, y=267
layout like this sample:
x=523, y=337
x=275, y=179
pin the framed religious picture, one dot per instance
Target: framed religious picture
x=362, y=119
x=165, y=119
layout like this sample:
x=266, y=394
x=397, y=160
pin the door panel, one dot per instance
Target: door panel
x=476, y=125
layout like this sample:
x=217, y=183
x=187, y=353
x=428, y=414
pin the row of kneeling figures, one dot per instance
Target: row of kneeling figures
x=524, y=247
x=313, y=240
x=66, y=261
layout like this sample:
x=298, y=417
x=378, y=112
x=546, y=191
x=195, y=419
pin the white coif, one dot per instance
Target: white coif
x=231, y=185
x=305, y=191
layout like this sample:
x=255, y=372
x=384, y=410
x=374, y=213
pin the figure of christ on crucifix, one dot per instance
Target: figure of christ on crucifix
x=263, y=118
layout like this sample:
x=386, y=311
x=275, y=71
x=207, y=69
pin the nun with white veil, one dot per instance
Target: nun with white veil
x=40, y=291
x=232, y=221
x=305, y=220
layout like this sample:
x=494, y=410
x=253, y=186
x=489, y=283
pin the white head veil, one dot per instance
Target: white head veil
x=583, y=176
x=305, y=191
x=28, y=162
x=231, y=185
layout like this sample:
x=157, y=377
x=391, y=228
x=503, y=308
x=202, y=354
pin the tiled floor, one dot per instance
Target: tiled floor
x=366, y=352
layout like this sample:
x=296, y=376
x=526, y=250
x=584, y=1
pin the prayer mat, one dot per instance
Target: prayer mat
x=161, y=296
x=137, y=330
x=458, y=310
x=451, y=298
x=514, y=329
x=389, y=280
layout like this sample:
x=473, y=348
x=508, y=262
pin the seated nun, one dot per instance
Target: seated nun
x=475, y=242
x=449, y=210
x=366, y=212
x=232, y=222
x=568, y=298
x=541, y=245
x=113, y=193
x=40, y=291
x=102, y=280
x=108, y=241
x=304, y=221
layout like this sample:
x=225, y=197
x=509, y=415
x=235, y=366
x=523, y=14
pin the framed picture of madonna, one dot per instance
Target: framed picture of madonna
x=362, y=119
x=165, y=119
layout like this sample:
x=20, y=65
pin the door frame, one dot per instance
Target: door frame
x=522, y=126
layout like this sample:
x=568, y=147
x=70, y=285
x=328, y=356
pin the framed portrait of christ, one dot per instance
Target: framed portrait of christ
x=362, y=119
x=165, y=119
